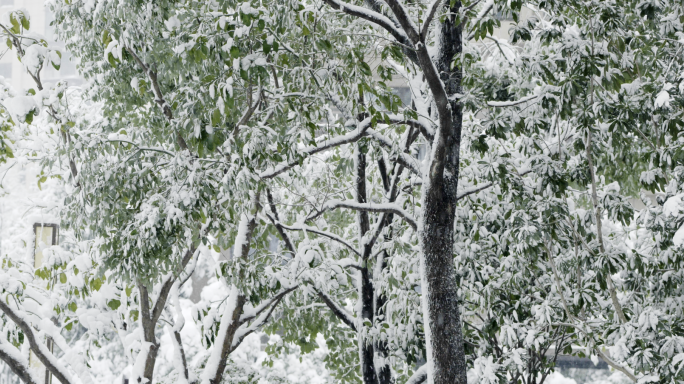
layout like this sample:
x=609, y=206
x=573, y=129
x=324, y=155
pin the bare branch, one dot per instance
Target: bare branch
x=166, y=108
x=330, y=235
x=483, y=12
x=276, y=222
x=402, y=158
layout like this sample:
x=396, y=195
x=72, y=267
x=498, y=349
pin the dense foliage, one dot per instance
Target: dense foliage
x=206, y=130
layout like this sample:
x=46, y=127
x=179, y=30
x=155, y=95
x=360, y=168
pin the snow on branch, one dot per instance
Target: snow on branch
x=350, y=137
x=16, y=361
x=39, y=349
x=419, y=376
x=403, y=158
x=373, y=207
x=338, y=311
x=472, y=190
x=330, y=235
x=433, y=9
x=250, y=314
x=501, y=104
x=243, y=332
x=486, y=8
x=113, y=139
x=373, y=17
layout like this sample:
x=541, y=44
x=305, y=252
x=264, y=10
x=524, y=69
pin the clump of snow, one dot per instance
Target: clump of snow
x=34, y=56
x=20, y=106
x=172, y=23
x=663, y=98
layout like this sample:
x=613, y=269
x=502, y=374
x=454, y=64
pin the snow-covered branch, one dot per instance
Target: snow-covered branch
x=419, y=376
x=403, y=158
x=350, y=137
x=251, y=314
x=330, y=235
x=374, y=17
x=17, y=363
x=39, y=348
x=338, y=311
x=373, y=207
x=501, y=104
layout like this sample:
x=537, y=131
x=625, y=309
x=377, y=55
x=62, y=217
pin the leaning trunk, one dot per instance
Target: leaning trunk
x=444, y=339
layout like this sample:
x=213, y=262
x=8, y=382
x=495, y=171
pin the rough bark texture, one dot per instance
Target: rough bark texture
x=366, y=290
x=227, y=346
x=148, y=326
x=384, y=371
x=177, y=336
x=446, y=339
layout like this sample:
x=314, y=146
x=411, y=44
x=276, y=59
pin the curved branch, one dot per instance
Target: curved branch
x=373, y=207
x=501, y=104
x=419, y=376
x=39, y=349
x=323, y=146
x=338, y=311
x=13, y=358
x=272, y=302
x=331, y=236
x=374, y=17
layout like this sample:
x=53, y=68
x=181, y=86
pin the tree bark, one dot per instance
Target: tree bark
x=444, y=337
x=366, y=292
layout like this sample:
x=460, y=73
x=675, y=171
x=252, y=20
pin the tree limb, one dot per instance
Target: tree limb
x=14, y=359
x=338, y=311
x=419, y=376
x=371, y=207
x=39, y=349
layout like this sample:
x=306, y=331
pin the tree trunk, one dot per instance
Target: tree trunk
x=148, y=325
x=384, y=371
x=444, y=337
x=366, y=285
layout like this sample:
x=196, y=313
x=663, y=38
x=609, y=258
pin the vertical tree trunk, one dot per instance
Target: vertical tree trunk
x=148, y=325
x=366, y=293
x=384, y=372
x=444, y=337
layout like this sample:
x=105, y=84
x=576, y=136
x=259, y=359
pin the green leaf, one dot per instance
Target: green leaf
x=365, y=69
x=29, y=117
x=25, y=23
x=41, y=181
x=62, y=276
x=15, y=24
x=111, y=59
x=114, y=304
x=72, y=306
x=216, y=118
